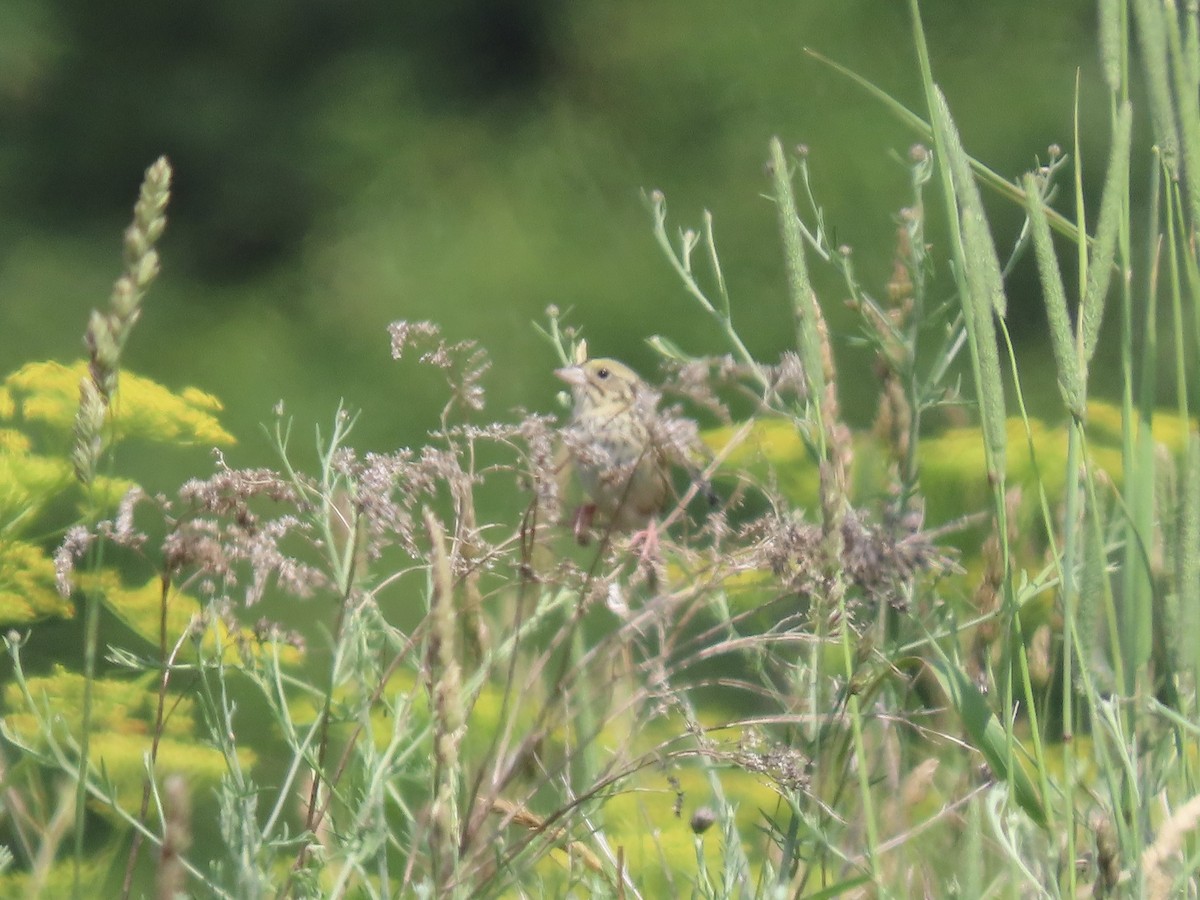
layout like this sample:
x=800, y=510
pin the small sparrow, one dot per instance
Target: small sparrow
x=622, y=465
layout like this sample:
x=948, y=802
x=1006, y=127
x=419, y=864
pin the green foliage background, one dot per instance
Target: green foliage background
x=341, y=165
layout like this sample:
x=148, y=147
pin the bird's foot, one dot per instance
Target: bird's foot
x=648, y=539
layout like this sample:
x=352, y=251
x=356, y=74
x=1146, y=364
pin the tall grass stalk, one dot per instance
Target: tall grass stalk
x=105, y=340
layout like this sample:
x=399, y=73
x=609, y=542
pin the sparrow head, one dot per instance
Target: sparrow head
x=599, y=383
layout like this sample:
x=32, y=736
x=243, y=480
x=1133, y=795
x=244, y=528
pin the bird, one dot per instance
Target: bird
x=621, y=466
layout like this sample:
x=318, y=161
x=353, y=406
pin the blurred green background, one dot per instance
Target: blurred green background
x=343, y=164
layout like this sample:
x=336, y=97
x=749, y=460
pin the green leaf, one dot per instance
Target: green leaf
x=987, y=735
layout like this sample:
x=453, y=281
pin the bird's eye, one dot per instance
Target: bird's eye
x=602, y=373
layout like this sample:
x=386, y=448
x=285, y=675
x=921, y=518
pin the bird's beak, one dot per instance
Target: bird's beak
x=572, y=375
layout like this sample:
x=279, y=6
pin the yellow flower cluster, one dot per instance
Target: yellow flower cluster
x=47, y=393
x=122, y=720
x=27, y=585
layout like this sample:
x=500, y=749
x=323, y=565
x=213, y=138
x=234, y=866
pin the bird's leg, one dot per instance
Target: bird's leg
x=648, y=538
x=581, y=523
